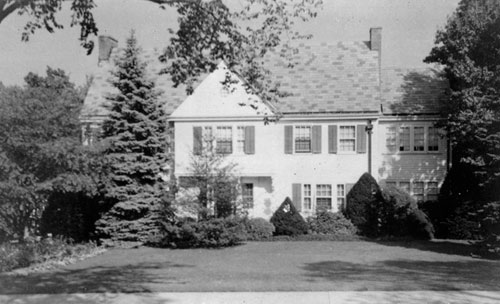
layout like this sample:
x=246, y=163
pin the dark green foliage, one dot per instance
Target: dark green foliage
x=331, y=223
x=135, y=133
x=419, y=225
x=316, y=237
x=224, y=196
x=490, y=245
x=362, y=203
x=207, y=233
x=287, y=220
x=468, y=47
x=258, y=229
x=40, y=152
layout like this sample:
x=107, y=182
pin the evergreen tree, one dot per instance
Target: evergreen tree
x=135, y=135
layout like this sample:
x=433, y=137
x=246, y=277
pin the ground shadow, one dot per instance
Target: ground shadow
x=127, y=279
x=409, y=275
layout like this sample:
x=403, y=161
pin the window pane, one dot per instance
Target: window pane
x=432, y=191
x=323, y=204
x=224, y=138
x=307, y=197
x=433, y=139
x=404, y=139
x=347, y=138
x=418, y=139
x=307, y=203
x=340, y=190
x=240, y=139
x=303, y=139
x=418, y=190
x=390, y=139
x=340, y=203
x=248, y=193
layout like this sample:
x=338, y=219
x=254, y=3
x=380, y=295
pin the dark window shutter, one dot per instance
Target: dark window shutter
x=250, y=140
x=332, y=139
x=316, y=139
x=361, y=139
x=288, y=139
x=296, y=196
x=197, y=143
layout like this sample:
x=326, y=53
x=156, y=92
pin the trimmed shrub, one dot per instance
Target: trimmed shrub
x=259, y=229
x=287, y=220
x=207, y=233
x=362, y=204
x=331, y=223
x=419, y=225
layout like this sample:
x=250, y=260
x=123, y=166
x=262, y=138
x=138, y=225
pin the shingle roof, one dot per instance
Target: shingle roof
x=412, y=91
x=328, y=78
x=340, y=77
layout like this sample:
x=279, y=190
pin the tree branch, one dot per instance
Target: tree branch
x=7, y=9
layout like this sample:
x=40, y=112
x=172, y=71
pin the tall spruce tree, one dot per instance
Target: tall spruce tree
x=135, y=132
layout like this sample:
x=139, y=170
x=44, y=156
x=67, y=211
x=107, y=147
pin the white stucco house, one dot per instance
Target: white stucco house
x=344, y=116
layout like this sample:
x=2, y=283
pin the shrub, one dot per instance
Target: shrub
x=331, y=223
x=258, y=229
x=363, y=199
x=490, y=244
x=207, y=233
x=287, y=220
x=419, y=225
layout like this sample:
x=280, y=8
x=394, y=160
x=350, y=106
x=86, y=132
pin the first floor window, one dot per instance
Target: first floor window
x=432, y=139
x=340, y=196
x=418, y=139
x=224, y=140
x=405, y=186
x=432, y=191
x=323, y=197
x=302, y=139
x=390, y=184
x=307, y=197
x=247, y=193
x=418, y=191
x=347, y=138
x=404, y=139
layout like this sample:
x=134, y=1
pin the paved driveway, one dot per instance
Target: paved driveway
x=268, y=267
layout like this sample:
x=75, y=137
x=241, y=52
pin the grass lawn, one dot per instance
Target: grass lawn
x=271, y=266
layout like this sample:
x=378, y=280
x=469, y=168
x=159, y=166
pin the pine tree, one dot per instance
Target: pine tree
x=135, y=133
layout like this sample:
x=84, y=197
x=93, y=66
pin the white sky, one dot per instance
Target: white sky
x=409, y=28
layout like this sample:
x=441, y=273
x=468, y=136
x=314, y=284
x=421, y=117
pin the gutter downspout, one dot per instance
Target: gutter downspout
x=369, y=130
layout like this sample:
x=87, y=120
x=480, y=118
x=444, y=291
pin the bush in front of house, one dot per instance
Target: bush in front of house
x=258, y=229
x=287, y=220
x=206, y=233
x=331, y=223
x=33, y=251
x=362, y=203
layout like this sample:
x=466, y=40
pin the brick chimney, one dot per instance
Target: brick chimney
x=376, y=39
x=106, y=45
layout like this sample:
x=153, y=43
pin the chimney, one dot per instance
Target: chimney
x=106, y=45
x=376, y=39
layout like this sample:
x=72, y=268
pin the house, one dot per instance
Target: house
x=344, y=116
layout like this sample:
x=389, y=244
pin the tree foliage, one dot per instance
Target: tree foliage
x=287, y=220
x=40, y=152
x=135, y=135
x=469, y=49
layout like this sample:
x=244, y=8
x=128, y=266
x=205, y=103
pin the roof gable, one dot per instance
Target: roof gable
x=221, y=94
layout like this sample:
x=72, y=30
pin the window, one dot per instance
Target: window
x=224, y=138
x=347, y=138
x=405, y=186
x=418, y=139
x=390, y=139
x=404, y=139
x=340, y=196
x=240, y=139
x=247, y=193
x=323, y=197
x=208, y=138
x=302, y=139
x=418, y=191
x=307, y=197
x=432, y=139
x=390, y=183
x=432, y=191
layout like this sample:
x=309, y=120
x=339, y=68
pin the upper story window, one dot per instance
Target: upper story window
x=303, y=139
x=432, y=139
x=347, y=138
x=404, y=139
x=224, y=140
x=418, y=139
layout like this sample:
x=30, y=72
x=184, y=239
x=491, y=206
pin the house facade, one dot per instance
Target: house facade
x=343, y=116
